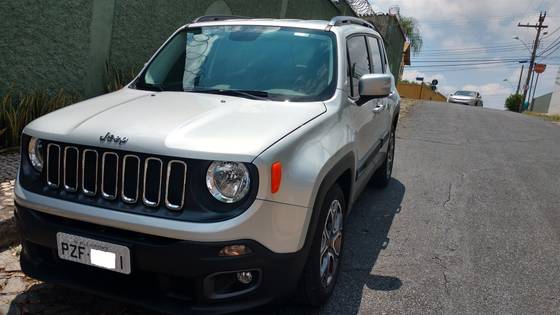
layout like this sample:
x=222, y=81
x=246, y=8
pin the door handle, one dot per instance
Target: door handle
x=379, y=108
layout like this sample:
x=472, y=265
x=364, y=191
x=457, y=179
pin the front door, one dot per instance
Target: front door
x=368, y=119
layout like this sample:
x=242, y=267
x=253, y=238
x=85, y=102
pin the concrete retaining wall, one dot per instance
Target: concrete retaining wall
x=49, y=45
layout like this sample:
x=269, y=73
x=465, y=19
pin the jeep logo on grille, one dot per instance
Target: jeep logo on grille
x=109, y=137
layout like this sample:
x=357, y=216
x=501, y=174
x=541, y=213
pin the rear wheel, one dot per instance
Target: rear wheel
x=382, y=176
x=323, y=263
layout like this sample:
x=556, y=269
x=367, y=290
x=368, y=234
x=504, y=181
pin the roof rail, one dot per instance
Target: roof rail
x=213, y=18
x=341, y=20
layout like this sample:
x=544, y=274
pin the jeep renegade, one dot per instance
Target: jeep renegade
x=221, y=177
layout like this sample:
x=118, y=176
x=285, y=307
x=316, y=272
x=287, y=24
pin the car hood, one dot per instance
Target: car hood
x=192, y=125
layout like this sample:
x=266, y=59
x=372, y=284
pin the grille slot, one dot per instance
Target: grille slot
x=133, y=178
x=89, y=172
x=130, y=178
x=109, y=175
x=53, y=165
x=153, y=168
x=175, y=184
x=71, y=158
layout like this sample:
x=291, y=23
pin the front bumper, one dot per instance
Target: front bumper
x=278, y=226
x=169, y=275
x=464, y=102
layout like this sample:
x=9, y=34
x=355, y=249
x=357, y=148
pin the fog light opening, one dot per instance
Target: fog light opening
x=235, y=250
x=245, y=277
x=230, y=284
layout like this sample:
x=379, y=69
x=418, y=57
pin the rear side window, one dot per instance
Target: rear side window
x=376, y=56
x=358, y=61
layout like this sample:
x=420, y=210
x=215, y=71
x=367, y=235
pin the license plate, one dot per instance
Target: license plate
x=92, y=252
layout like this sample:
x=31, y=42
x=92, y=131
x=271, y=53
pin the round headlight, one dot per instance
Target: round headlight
x=35, y=151
x=228, y=181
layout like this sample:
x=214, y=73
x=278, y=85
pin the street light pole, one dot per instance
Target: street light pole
x=539, y=27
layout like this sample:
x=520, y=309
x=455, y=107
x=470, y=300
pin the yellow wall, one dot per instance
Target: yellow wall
x=408, y=90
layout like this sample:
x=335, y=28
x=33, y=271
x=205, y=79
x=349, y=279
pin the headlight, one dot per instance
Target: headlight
x=35, y=151
x=228, y=181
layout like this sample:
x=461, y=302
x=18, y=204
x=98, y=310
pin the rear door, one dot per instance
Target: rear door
x=377, y=57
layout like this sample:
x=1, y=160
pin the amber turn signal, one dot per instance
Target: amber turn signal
x=275, y=177
x=235, y=250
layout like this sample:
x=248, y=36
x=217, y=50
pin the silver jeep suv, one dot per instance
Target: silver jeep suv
x=221, y=177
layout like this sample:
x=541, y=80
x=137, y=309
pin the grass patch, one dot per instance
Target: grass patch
x=544, y=116
x=116, y=78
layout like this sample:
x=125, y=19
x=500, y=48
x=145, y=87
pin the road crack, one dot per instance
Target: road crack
x=445, y=202
x=446, y=282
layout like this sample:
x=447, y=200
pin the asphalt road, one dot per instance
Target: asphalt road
x=470, y=223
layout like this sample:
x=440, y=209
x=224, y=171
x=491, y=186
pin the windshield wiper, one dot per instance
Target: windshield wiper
x=251, y=94
x=157, y=87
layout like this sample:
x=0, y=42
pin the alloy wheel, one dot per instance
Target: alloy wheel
x=331, y=243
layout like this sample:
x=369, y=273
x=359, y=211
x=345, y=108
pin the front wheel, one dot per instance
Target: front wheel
x=323, y=263
x=382, y=176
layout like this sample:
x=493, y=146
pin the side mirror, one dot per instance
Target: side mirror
x=373, y=86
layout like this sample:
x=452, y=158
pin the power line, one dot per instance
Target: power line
x=551, y=46
x=463, y=64
x=552, y=52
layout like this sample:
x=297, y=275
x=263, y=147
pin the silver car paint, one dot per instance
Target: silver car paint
x=308, y=138
x=177, y=123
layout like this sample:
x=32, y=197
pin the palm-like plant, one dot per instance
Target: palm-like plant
x=410, y=27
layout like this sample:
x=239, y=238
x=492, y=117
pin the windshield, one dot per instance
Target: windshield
x=275, y=63
x=465, y=93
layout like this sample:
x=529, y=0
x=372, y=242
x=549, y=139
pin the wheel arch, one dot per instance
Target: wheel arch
x=342, y=173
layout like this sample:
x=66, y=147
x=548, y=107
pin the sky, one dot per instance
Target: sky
x=476, y=37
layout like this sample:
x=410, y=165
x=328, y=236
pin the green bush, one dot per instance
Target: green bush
x=513, y=101
x=16, y=111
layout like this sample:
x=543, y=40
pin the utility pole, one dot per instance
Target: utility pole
x=539, y=27
x=519, y=83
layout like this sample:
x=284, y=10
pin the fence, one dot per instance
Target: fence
x=416, y=91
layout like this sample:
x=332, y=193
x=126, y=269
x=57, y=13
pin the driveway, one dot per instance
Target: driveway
x=470, y=224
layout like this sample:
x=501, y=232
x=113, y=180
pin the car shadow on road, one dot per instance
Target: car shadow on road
x=367, y=231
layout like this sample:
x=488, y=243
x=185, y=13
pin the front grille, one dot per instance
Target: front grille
x=114, y=175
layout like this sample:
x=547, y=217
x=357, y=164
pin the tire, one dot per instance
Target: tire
x=382, y=175
x=323, y=263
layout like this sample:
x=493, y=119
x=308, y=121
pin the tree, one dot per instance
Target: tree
x=513, y=101
x=410, y=27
